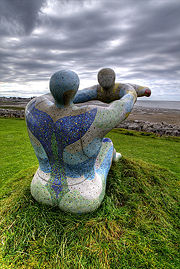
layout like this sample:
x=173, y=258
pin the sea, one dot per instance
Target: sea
x=159, y=104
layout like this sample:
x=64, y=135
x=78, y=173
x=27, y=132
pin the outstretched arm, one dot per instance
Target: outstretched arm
x=86, y=95
x=141, y=90
x=109, y=117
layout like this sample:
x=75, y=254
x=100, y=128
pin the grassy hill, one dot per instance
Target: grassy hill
x=135, y=227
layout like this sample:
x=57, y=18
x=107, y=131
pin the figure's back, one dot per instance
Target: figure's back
x=67, y=150
x=60, y=133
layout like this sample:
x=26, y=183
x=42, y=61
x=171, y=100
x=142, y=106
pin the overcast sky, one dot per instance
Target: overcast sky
x=139, y=39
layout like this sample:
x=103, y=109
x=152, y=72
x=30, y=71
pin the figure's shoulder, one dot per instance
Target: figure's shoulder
x=41, y=105
x=31, y=105
x=40, y=99
x=121, y=86
x=117, y=87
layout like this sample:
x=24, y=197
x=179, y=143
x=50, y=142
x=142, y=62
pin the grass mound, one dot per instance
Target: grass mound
x=135, y=227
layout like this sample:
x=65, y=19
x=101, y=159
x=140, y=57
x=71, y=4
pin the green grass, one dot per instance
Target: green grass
x=135, y=227
x=163, y=151
x=16, y=151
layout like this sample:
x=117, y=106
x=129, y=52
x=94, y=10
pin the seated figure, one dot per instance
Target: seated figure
x=107, y=90
x=68, y=140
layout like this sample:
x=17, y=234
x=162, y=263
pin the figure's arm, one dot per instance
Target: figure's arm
x=109, y=117
x=141, y=90
x=86, y=95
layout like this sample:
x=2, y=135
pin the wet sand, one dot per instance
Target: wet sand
x=155, y=115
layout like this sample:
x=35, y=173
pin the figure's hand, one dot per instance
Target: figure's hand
x=142, y=91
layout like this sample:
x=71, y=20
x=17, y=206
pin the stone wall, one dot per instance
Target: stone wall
x=11, y=113
x=158, y=128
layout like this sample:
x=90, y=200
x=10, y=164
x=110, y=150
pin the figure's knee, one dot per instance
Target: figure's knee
x=116, y=155
x=107, y=140
x=104, y=158
x=107, y=148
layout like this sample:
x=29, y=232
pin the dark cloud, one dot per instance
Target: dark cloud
x=19, y=16
x=139, y=39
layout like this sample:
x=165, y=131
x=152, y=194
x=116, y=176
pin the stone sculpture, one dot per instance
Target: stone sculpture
x=107, y=90
x=68, y=140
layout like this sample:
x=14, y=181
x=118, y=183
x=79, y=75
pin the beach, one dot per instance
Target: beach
x=155, y=115
x=160, y=117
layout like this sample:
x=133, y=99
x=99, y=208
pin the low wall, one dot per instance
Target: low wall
x=145, y=126
x=11, y=113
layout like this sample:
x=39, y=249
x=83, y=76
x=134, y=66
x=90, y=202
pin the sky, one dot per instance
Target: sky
x=139, y=39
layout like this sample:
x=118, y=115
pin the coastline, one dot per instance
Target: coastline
x=154, y=120
x=162, y=121
x=155, y=115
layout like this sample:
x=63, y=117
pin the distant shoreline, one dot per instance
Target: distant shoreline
x=142, y=111
x=175, y=105
x=159, y=104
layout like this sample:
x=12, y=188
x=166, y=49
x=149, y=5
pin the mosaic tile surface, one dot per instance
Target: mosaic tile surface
x=68, y=140
x=107, y=90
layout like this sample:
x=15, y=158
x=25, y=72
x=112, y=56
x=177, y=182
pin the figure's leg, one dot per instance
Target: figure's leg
x=87, y=196
x=104, y=158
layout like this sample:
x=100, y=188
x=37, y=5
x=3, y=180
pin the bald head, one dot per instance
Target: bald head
x=106, y=78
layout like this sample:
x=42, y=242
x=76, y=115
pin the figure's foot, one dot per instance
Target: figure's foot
x=116, y=156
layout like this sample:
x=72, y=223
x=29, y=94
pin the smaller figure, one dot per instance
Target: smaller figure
x=107, y=90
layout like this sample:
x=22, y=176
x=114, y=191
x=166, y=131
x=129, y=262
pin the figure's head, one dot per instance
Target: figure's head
x=106, y=78
x=63, y=86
